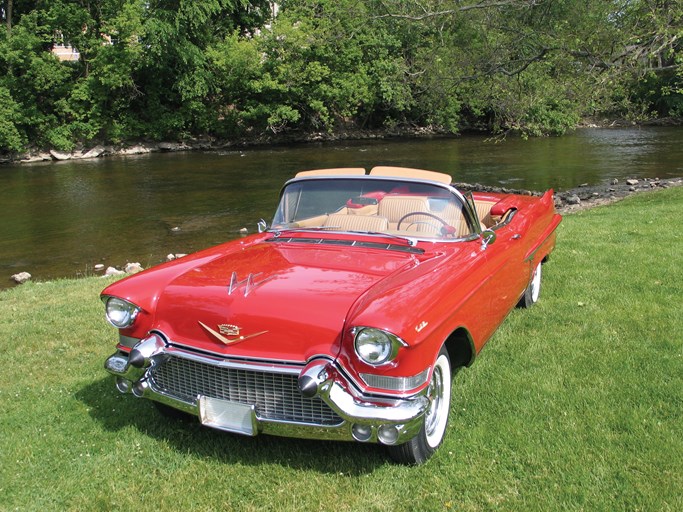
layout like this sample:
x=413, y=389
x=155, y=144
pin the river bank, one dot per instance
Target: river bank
x=213, y=144
x=142, y=147
x=587, y=196
x=566, y=202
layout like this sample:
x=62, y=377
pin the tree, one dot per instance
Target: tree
x=542, y=64
x=653, y=53
x=11, y=138
x=327, y=66
x=8, y=16
x=176, y=69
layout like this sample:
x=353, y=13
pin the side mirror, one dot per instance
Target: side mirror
x=262, y=226
x=488, y=236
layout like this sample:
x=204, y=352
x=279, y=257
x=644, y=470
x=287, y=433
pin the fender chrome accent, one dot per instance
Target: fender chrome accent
x=128, y=341
x=354, y=407
x=400, y=384
x=133, y=366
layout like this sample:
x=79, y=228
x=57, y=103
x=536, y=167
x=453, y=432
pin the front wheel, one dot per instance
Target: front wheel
x=435, y=420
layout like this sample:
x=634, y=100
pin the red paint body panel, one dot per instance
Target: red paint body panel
x=303, y=299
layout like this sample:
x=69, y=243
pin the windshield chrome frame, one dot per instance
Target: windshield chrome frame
x=469, y=212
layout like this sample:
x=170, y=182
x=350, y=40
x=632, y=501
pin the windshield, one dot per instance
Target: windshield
x=367, y=205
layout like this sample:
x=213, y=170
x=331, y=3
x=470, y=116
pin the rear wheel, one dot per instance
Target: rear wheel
x=435, y=420
x=533, y=290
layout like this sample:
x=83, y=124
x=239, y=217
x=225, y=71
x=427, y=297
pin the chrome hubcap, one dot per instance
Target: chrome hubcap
x=435, y=399
x=439, y=393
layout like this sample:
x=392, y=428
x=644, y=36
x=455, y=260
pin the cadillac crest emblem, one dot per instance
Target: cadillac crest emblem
x=229, y=330
x=229, y=333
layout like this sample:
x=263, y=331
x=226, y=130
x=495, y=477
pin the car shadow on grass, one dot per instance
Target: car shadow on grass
x=114, y=412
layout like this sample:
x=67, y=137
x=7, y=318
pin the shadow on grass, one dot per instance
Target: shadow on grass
x=115, y=411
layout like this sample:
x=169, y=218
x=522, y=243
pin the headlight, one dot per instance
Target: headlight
x=375, y=346
x=120, y=313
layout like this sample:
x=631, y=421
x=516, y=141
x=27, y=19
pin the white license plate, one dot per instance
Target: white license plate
x=229, y=416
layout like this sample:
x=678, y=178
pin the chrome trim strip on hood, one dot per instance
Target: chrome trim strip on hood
x=350, y=243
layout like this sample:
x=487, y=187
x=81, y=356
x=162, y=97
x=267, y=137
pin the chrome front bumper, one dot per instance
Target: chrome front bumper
x=333, y=407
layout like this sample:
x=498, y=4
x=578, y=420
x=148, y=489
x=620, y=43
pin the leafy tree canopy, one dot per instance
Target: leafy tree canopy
x=224, y=68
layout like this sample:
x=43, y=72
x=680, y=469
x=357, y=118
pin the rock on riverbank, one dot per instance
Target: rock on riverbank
x=95, y=152
x=21, y=277
x=586, y=196
x=211, y=143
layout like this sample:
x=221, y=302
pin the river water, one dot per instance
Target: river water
x=60, y=219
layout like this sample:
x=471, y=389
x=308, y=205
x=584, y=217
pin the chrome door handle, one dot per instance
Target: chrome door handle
x=516, y=236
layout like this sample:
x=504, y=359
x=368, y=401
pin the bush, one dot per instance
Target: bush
x=11, y=138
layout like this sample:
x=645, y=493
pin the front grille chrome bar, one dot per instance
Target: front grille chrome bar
x=275, y=395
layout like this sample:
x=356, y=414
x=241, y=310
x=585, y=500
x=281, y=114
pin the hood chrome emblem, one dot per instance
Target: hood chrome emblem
x=250, y=282
x=231, y=332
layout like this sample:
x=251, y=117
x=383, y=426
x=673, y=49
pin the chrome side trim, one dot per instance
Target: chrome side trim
x=507, y=217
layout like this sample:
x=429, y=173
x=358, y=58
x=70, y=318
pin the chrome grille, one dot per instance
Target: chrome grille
x=275, y=395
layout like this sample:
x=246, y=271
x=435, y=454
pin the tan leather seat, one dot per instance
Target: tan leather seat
x=484, y=212
x=394, y=208
x=454, y=217
x=356, y=222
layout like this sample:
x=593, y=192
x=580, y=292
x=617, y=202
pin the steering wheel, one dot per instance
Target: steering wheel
x=444, y=229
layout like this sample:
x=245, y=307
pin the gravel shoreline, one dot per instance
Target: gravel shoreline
x=587, y=196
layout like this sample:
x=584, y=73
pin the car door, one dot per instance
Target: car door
x=508, y=267
x=506, y=272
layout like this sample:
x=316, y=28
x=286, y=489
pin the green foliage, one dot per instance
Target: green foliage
x=661, y=94
x=11, y=138
x=171, y=70
x=654, y=85
x=35, y=79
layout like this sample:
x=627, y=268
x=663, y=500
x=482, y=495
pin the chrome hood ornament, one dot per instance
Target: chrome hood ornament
x=250, y=283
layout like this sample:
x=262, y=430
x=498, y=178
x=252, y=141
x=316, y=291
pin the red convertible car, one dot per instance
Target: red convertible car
x=345, y=319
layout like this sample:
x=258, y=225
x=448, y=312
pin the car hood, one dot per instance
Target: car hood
x=272, y=300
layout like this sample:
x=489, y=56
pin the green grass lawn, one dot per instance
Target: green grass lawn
x=575, y=404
